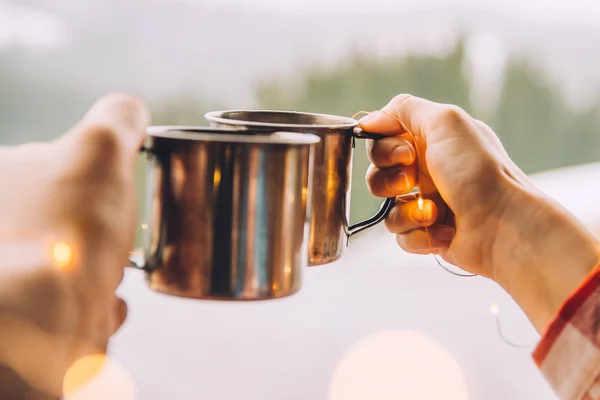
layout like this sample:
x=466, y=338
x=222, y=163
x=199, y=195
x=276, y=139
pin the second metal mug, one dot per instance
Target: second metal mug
x=329, y=227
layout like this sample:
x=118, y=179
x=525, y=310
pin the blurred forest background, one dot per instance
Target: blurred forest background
x=42, y=93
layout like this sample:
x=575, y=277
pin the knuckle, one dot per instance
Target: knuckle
x=101, y=139
x=400, y=101
x=453, y=115
x=401, y=98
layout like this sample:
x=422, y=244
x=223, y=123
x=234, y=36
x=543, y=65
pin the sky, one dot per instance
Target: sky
x=24, y=26
x=576, y=10
x=39, y=30
x=19, y=25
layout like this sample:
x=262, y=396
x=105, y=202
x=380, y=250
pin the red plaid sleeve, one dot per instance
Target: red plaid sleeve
x=569, y=353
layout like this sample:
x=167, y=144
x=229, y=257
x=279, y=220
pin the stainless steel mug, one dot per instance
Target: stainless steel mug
x=329, y=228
x=228, y=212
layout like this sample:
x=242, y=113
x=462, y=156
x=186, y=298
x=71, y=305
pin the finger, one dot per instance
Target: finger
x=390, y=182
x=115, y=124
x=381, y=123
x=391, y=151
x=119, y=314
x=406, y=216
x=426, y=241
x=419, y=116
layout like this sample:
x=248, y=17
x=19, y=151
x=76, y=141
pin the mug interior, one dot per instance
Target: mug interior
x=281, y=119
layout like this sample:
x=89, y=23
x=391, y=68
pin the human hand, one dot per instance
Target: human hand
x=77, y=190
x=483, y=213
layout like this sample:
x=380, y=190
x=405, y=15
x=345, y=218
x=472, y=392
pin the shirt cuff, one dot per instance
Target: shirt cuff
x=569, y=353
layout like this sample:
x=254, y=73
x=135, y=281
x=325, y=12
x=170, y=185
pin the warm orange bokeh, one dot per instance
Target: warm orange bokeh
x=62, y=255
x=98, y=377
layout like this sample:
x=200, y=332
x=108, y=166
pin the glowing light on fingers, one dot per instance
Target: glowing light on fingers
x=420, y=203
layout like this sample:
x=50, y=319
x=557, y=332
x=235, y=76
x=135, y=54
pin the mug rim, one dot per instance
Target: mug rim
x=216, y=116
x=205, y=134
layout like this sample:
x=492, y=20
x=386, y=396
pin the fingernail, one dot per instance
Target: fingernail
x=443, y=233
x=402, y=155
x=423, y=215
x=398, y=183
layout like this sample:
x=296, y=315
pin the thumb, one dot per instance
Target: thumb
x=116, y=122
x=382, y=123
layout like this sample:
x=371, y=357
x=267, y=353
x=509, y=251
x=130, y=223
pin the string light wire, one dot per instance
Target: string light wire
x=495, y=310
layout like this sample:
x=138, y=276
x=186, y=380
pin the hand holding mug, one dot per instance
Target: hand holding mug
x=502, y=226
x=58, y=304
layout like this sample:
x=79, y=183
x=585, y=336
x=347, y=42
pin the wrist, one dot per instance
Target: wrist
x=541, y=254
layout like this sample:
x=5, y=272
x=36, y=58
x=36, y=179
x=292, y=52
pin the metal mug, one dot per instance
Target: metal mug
x=228, y=212
x=329, y=228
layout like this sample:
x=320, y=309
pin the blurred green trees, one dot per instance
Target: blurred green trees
x=538, y=128
x=35, y=105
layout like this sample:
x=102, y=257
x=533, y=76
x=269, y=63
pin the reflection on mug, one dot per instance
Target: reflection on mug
x=329, y=227
x=228, y=212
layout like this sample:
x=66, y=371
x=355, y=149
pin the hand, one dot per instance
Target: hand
x=77, y=190
x=483, y=213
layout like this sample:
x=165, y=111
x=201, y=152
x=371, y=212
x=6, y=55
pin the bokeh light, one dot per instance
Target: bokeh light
x=394, y=365
x=98, y=377
x=494, y=309
x=62, y=255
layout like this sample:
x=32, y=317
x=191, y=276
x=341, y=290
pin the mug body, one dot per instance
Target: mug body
x=228, y=213
x=332, y=171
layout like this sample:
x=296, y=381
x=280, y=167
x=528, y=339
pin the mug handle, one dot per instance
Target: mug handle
x=386, y=206
x=137, y=261
x=136, y=257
